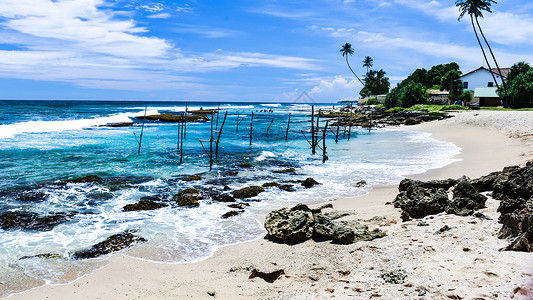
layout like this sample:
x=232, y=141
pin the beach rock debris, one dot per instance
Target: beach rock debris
x=268, y=277
x=395, y=276
x=300, y=223
x=113, y=243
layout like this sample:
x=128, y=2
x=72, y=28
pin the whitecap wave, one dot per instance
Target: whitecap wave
x=8, y=131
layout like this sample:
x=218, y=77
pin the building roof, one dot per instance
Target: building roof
x=437, y=92
x=486, y=92
x=505, y=71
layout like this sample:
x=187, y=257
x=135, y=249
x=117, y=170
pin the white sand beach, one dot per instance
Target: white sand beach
x=461, y=263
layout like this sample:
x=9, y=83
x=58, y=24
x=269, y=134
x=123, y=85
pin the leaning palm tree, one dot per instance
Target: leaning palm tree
x=347, y=49
x=475, y=8
x=368, y=62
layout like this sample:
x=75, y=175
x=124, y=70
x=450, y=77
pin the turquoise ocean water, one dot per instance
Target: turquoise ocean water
x=43, y=142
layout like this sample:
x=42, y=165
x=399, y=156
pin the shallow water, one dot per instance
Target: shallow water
x=42, y=142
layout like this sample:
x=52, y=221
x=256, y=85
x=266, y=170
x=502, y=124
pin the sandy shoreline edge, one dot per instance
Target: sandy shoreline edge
x=438, y=266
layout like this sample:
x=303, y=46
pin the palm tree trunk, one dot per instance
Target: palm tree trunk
x=505, y=104
x=353, y=71
x=483, y=50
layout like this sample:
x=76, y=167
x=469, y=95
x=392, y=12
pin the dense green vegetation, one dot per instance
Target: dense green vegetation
x=412, y=90
x=375, y=83
x=520, y=85
x=431, y=108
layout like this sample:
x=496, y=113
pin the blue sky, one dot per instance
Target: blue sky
x=237, y=50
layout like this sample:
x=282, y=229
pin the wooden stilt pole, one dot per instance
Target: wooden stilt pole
x=251, y=128
x=211, y=146
x=182, y=135
x=268, y=128
x=185, y=116
x=313, y=143
x=219, y=133
x=288, y=125
x=142, y=130
x=338, y=126
x=324, y=156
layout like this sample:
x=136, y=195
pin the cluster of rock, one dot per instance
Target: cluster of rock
x=418, y=199
x=379, y=117
x=300, y=223
x=513, y=186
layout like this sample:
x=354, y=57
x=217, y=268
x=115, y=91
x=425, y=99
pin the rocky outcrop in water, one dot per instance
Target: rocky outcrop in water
x=86, y=179
x=174, y=118
x=300, y=223
x=144, y=205
x=113, y=243
x=188, y=197
x=32, y=221
x=309, y=182
x=248, y=192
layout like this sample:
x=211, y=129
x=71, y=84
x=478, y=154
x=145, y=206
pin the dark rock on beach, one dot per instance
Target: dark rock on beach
x=248, y=192
x=415, y=200
x=331, y=229
x=309, y=182
x=192, y=178
x=232, y=213
x=291, y=225
x=300, y=223
x=144, y=205
x=287, y=187
x=113, y=243
x=516, y=209
x=224, y=198
x=239, y=205
x=188, y=197
x=119, y=124
x=466, y=199
x=268, y=184
x=289, y=170
x=32, y=221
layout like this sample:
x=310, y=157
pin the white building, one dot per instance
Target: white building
x=482, y=83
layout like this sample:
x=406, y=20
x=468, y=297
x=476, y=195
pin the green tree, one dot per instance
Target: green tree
x=475, y=8
x=407, y=94
x=348, y=50
x=368, y=62
x=452, y=83
x=412, y=94
x=520, y=83
x=517, y=69
x=436, y=73
x=375, y=83
x=466, y=96
x=420, y=76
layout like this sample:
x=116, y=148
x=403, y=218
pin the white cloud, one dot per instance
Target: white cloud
x=79, y=42
x=185, y=9
x=160, y=16
x=153, y=7
x=508, y=28
x=337, y=88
